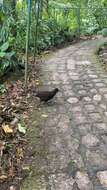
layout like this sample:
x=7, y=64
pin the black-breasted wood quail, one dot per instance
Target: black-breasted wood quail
x=46, y=95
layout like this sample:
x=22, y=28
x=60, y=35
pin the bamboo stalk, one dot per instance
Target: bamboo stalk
x=36, y=30
x=27, y=41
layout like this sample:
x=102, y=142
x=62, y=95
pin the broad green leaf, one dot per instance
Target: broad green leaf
x=21, y=128
x=10, y=54
x=2, y=88
x=5, y=46
x=2, y=54
x=5, y=64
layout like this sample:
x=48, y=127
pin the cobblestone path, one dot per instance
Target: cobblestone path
x=73, y=137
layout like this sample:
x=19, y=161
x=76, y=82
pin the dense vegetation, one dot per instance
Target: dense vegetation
x=51, y=23
x=33, y=26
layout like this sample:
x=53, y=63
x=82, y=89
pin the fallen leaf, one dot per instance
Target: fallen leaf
x=37, y=83
x=27, y=168
x=12, y=187
x=2, y=145
x=12, y=103
x=21, y=128
x=15, y=121
x=3, y=177
x=20, y=153
x=1, y=120
x=11, y=168
x=44, y=115
x=25, y=115
x=7, y=129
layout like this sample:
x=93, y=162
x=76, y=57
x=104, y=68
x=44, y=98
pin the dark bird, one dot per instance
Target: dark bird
x=46, y=95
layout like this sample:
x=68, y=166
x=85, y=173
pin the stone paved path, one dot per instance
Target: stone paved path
x=72, y=147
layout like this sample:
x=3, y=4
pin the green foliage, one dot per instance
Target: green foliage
x=4, y=47
x=51, y=34
x=5, y=57
x=56, y=21
x=104, y=32
x=99, y=32
x=2, y=89
x=22, y=127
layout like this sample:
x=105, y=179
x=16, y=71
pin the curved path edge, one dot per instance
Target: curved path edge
x=69, y=135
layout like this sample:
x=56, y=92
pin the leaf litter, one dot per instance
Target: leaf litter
x=14, y=117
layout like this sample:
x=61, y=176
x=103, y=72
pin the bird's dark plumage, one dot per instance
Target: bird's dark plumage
x=46, y=95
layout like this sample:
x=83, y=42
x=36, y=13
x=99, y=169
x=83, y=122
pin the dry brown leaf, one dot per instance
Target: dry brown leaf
x=2, y=145
x=3, y=177
x=26, y=168
x=25, y=115
x=12, y=103
x=15, y=121
x=7, y=129
x=20, y=153
x=11, y=169
x=12, y=187
x=37, y=83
